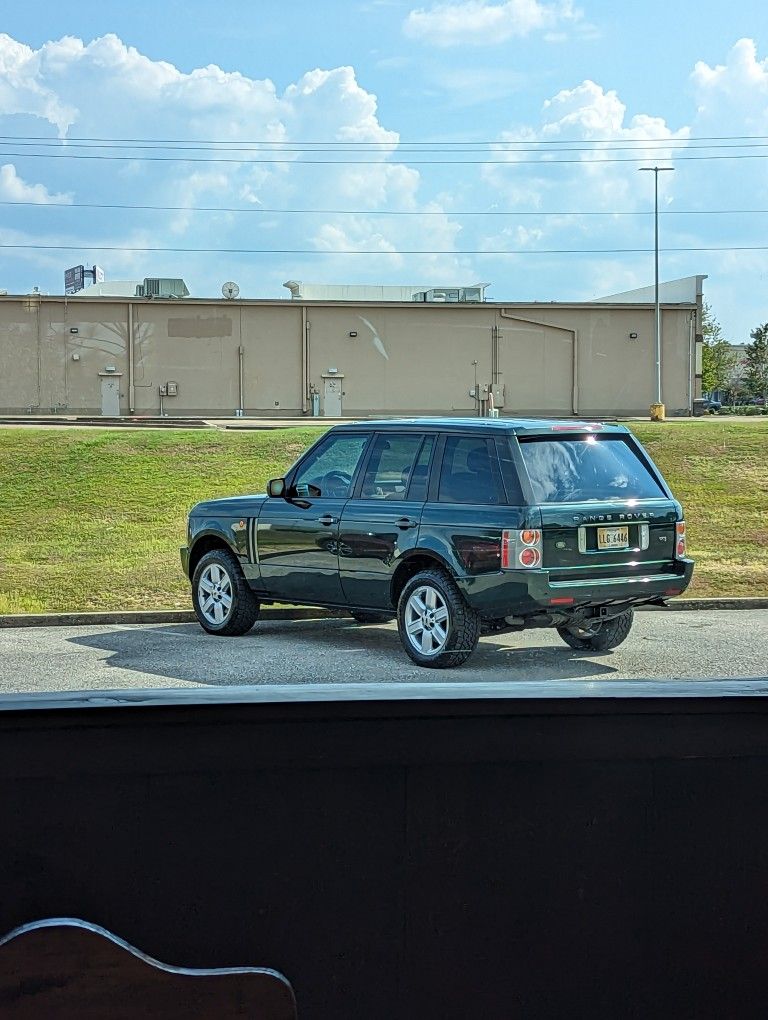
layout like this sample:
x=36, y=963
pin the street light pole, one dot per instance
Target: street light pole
x=657, y=331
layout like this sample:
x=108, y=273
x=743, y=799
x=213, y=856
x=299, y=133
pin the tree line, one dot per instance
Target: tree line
x=723, y=371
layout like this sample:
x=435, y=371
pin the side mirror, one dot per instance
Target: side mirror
x=276, y=487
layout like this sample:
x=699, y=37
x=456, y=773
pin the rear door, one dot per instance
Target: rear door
x=604, y=510
x=381, y=522
x=467, y=508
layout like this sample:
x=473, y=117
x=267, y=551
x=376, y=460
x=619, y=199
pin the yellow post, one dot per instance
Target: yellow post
x=657, y=412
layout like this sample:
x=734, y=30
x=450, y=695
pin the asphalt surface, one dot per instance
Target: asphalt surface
x=714, y=644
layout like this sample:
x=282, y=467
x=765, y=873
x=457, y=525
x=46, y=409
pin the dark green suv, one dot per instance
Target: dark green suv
x=456, y=527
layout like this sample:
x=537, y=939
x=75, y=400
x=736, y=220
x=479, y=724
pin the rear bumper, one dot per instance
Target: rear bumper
x=517, y=592
x=184, y=553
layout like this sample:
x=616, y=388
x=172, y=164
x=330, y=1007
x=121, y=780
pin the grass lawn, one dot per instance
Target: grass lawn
x=92, y=519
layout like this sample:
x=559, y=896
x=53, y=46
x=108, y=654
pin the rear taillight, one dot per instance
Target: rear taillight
x=521, y=549
x=680, y=539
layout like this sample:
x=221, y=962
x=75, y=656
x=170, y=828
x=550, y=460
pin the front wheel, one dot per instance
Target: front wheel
x=223, y=602
x=437, y=628
x=600, y=635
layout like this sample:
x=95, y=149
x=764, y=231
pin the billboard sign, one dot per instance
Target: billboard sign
x=74, y=279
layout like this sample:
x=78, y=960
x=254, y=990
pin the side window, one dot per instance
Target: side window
x=467, y=474
x=509, y=472
x=419, y=480
x=391, y=465
x=329, y=470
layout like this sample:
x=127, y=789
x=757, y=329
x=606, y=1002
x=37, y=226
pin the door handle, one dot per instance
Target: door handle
x=405, y=522
x=327, y=520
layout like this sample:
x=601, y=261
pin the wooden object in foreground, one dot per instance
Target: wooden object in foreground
x=64, y=968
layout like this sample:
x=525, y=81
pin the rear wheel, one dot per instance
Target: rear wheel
x=437, y=628
x=223, y=602
x=599, y=636
x=368, y=616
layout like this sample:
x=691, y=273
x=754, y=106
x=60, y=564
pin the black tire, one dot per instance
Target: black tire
x=601, y=636
x=462, y=623
x=240, y=615
x=368, y=616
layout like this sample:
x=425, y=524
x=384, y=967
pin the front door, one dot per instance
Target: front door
x=382, y=523
x=297, y=538
x=332, y=396
x=110, y=396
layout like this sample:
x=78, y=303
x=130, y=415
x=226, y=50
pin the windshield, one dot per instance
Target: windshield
x=586, y=469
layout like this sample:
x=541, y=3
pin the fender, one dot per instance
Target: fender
x=225, y=531
x=434, y=551
x=441, y=552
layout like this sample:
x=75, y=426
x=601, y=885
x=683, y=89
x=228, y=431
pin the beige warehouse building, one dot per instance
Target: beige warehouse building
x=110, y=356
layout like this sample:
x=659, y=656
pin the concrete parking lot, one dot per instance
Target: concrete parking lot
x=714, y=644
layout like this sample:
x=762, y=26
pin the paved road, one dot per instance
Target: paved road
x=663, y=645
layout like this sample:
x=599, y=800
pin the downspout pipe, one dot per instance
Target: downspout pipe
x=304, y=361
x=691, y=362
x=131, y=385
x=240, y=357
x=575, y=369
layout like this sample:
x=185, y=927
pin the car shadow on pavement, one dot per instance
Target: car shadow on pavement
x=328, y=650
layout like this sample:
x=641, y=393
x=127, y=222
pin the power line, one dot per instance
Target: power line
x=349, y=251
x=400, y=141
x=377, y=212
x=618, y=145
x=359, y=162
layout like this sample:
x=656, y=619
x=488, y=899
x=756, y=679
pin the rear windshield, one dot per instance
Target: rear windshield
x=576, y=469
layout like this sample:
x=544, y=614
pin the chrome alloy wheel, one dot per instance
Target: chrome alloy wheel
x=214, y=594
x=427, y=620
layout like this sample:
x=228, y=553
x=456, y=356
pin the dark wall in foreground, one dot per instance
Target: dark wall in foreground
x=443, y=858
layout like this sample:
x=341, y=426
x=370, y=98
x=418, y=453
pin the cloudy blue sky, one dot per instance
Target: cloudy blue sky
x=468, y=141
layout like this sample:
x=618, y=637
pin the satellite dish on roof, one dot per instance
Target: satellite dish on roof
x=230, y=290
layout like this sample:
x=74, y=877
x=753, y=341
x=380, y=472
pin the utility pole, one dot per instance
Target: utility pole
x=658, y=413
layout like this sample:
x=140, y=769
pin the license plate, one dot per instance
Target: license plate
x=612, y=538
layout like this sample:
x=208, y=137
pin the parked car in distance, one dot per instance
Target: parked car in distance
x=454, y=527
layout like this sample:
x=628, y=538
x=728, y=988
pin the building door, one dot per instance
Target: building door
x=332, y=395
x=110, y=396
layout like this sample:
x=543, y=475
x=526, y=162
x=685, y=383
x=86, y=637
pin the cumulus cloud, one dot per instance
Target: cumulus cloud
x=593, y=115
x=358, y=236
x=70, y=89
x=743, y=75
x=14, y=189
x=582, y=174
x=581, y=129
x=479, y=23
x=107, y=89
x=731, y=99
x=735, y=92
x=23, y=89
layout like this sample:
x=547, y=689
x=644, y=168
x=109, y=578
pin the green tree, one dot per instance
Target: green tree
x=717, y=358
x=756, y=376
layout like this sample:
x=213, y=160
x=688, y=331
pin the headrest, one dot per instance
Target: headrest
x=478, y=461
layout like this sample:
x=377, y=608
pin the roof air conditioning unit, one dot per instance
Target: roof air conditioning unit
x=162, y=287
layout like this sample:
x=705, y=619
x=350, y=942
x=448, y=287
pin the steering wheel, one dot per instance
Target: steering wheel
x=336, y=483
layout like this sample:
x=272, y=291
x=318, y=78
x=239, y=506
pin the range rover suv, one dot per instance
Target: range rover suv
x=455, y=527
